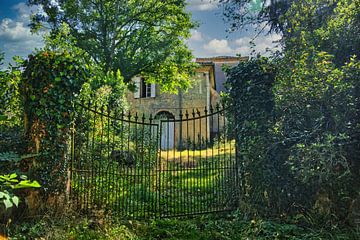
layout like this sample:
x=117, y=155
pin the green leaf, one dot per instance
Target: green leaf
x=15, y=200
x=3, y=195
x=13, y=175
x=31, y=155
x=27, y=184
x=8, y=203
x=58, y=79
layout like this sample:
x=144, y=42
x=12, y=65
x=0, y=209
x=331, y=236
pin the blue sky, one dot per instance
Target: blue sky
x=209, y=39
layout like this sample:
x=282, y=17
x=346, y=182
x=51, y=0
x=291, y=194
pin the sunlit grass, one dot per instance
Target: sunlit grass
x=215, y=150
x=186, y=181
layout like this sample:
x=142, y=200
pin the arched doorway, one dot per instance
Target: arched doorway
x=167, y=125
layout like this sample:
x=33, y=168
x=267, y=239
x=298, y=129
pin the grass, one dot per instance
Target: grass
x=217, y=150
x=182, y=182
x=207, y=227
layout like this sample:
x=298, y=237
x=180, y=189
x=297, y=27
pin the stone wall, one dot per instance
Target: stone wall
x=197, y=98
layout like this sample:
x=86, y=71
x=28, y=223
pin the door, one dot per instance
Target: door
x=167, y=134
x=167, y=128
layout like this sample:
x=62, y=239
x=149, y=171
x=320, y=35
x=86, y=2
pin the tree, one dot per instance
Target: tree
x=314, y=130
x=255, y=12
x=133, y=36
x=279, y=14
x=10, y=101
x=336, y=32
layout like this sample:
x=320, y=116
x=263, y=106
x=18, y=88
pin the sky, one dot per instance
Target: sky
x=209, y=39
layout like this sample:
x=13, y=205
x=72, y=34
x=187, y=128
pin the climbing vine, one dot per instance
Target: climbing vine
x=51, y=81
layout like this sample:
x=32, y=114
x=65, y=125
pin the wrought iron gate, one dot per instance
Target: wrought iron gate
x=153, y=167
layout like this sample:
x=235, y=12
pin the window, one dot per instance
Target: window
x=143, y=89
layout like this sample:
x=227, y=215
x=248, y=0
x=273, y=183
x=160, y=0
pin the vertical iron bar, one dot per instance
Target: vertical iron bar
x=219, y=156
x=87, y=161
x=73, y=173
x=180, y=167
x=143, y=172
x=77, y=181
x=128, y=182
x=160, y=191
x=213, y=169
x=110, y=193
x=193, y=167
x=93, y=165
x=150, y=172
x=115, y=178
x=120, y=167
x=167, y=166
x=206, y=165
x=188, y=163
x=134, y=172
x=72, y=160
x=226, y=160
x=101, y=170
x=174, y=177
x=83, y=161
x=200, y=162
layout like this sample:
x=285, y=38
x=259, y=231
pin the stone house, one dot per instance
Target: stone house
x=207, y=84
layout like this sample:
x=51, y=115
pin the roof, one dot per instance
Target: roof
x=206, y=63
x=221, y=59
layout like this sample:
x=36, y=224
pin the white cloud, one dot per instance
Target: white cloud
x=15, y=35
x=245, y=46
x=23, y=11
x=203, y=5
x=196, y=36
x=14, y=30
x=261, y=44
x=216, y=46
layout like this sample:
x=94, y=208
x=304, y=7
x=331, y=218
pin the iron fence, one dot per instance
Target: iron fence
x=148, y=167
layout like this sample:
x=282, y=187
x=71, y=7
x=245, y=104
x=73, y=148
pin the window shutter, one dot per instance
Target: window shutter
x=137, y=86
x=153, y=90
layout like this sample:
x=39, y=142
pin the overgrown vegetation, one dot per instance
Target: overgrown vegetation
x=298, y=118
x=295, y=117
x=220, y=227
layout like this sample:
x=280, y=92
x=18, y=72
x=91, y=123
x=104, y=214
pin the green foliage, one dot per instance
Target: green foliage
x=325, y=26
x=105, y=89
x=197, y=228
x=317, y=101
x=10, y=160
x=299, y=133
x=136, y=37
x=242, y=13
x=51, y=82
x=11, y=182
x=10, y=101
x=250, y=86
x=316, y=105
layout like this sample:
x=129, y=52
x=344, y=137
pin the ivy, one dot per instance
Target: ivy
x=297, y=116
x=51, y=82
x=252, y=103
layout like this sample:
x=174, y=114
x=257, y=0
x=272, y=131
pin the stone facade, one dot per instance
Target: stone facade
x=150, y=100
x=198, y=96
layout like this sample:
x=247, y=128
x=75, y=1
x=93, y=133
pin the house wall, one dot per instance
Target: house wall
x=198, y=97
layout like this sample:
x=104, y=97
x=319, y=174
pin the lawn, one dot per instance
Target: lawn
x=180, y=183
x=206, y=227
